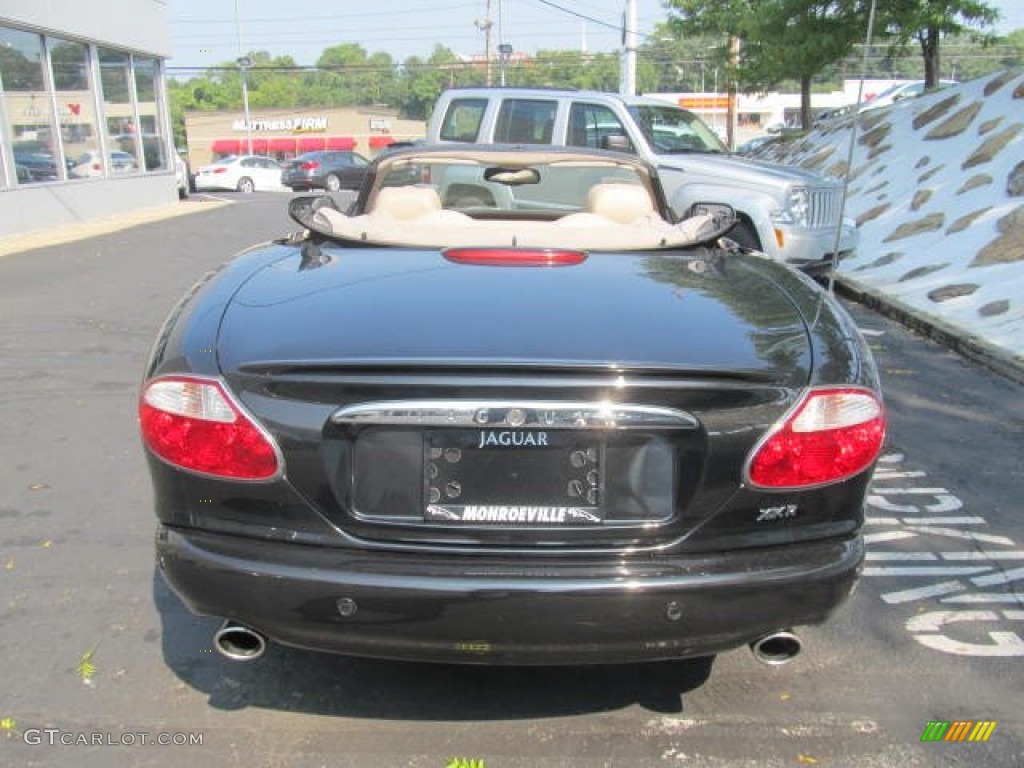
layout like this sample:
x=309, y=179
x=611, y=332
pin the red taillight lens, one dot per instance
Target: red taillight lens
x=830, y=436
x=220, y=169
x=312, y=165
x=97, y=167
x=193, y=423
x=515, y=257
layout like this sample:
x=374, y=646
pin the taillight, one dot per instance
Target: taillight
x=97, y=167
x=515, y=257
x=194, y=423
x=311, y=165
x=833, y=434
x=220, y=169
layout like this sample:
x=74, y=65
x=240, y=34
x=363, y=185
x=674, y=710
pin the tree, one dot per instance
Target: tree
x=778, y=39
x=352, y=75
x=929, y=21
x=423, y=81
x=679, y=64
x=574, y=69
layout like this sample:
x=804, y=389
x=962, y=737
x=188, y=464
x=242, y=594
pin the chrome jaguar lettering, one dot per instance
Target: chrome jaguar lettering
x=510, y=438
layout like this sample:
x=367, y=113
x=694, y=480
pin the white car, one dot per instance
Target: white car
x=901, y=91
x=90, y=164
x=245, y=173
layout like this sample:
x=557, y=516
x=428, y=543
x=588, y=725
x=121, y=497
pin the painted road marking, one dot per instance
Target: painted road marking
x=918, y=517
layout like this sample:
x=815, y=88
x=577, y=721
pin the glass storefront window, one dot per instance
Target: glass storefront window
x=154, y=149
x=118, y=110
x=30, y=124
x=59, y=116
x=76, y=112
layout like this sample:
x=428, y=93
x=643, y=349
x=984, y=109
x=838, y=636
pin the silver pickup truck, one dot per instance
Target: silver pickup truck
x=788, y=213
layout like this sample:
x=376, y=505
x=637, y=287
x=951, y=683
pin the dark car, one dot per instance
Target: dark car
x=555, y=426
x=330, y=170
x=34, y=166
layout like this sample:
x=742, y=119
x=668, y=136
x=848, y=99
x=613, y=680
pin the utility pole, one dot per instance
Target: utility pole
x=627, y=82
x=734, y=62
x=504, y=49
x=244, y=62
x=485, y=27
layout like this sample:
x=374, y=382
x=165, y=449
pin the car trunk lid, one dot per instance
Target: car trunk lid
x=607, y=403
x=651, y=311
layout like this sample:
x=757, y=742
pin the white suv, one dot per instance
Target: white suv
x=790, y=214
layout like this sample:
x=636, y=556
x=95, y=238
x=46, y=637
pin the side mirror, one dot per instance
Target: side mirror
x=616, y=142
x=723, y=217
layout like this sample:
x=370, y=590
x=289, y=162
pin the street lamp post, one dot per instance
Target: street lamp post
x=504, y=50
x=244, y=62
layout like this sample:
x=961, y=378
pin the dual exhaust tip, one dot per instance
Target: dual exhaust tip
x=240, y=643
x=776, y=648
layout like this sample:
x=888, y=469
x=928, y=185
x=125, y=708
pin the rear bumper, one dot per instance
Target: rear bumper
x=509, y=610
x=205, y=184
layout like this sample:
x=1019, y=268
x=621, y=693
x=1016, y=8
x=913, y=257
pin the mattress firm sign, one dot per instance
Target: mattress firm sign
x=293, y=124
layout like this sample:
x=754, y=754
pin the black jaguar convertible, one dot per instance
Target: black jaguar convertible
x=508, y=409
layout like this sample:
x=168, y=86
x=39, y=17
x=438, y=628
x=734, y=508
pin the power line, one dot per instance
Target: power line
x=578, y=15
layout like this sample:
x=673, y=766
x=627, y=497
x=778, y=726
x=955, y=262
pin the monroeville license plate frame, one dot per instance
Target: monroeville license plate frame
x=513, y=477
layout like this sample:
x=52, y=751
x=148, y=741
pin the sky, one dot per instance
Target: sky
x=205, y=33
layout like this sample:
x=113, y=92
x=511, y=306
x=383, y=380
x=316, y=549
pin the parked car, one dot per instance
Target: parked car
x=899, y=92
x=90, y=164
x=245, y=173
x=791, y=214
x=34, y=166
x=827, y=116
x=330, y=170
x=569, y=428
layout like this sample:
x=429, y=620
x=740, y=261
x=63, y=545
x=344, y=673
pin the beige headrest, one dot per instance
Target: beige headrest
x=624, y=203
x=407, y=202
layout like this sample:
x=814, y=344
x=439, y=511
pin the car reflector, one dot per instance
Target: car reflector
x=193, y=423
x=831, y=435
x=515, y=257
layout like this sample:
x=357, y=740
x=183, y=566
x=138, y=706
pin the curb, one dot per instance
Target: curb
x=968, y=345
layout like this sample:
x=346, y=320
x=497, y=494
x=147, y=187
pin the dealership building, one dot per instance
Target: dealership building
x=84, y=125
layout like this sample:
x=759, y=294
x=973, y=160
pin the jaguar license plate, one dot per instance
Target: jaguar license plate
x=512, y=477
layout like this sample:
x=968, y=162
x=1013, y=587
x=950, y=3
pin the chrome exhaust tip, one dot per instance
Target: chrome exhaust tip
x=239, y=643
x=776, y=648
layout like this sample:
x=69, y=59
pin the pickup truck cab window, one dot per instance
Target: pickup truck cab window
x=591, y=124
x=462, y=120
x=526, y=121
